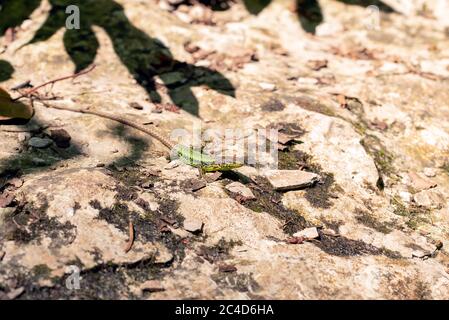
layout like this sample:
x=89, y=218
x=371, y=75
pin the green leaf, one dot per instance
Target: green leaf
x=10, y=109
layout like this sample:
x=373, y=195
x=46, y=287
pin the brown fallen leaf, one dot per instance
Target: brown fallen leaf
x=317, y=65
x=227, y=268
x=10, y=109
x=152, y=286
x=295, y=240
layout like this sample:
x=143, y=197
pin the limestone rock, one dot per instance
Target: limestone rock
x=284, y=180
x=193, y=225
x=241, y=189
x=308, y=233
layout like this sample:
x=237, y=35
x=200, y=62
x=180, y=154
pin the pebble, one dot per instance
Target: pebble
x=193, y=225
x=420, y=183
x=147, y=185
x=195, y=184
x=241, y=189
x=173, y=164
x=420, y=254
x=308, y=233
x=284, y=180
x=429, y=199
x=429, y=172
x=23, y=136
x=267, y=86
x=405, y=196
x=39, y=143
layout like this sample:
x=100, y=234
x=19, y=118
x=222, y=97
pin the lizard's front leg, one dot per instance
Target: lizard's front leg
x=201, y=171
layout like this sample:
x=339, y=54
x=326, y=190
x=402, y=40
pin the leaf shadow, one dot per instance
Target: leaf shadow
x=6, y=70
x=145, y=57
x=309, y=12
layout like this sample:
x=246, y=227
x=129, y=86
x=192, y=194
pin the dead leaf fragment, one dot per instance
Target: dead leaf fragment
x=10, y=109
x=227, y=268
x=317, y=65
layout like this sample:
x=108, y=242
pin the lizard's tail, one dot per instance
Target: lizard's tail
x=152, y=132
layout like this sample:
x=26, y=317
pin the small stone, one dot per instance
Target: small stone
x=147, y=185
x=136, y=105
x=420, y=254
x=39, y=143
x=241, y=189
x=429, y=172
x=213, y=176
x=101, y=165
x=309, y=233
x=13, y=294
x=193, y=225
x=23, y=136
x=227, y=268
x=152, y=286
x=285, y=138
x=70, y=212
x=172, y=165
x=267, y=86
x=306, y=81
x=429, y=199
x=284, y=180
x=61, y=138
x=330, y=232
x=420, y=183
x=406, y=196
x=195, y=184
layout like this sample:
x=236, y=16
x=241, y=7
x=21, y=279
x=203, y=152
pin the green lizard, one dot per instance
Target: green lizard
x=188, y=155
x=203, y=161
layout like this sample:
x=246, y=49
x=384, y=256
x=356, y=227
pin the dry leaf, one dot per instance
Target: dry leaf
x=10, y=109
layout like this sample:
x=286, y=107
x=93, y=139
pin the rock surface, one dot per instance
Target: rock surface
x=375, y=112
x=284, y=180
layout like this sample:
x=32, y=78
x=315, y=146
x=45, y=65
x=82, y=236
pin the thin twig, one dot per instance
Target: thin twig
x=73, y=76
x=129, y=245
x=152, y=132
